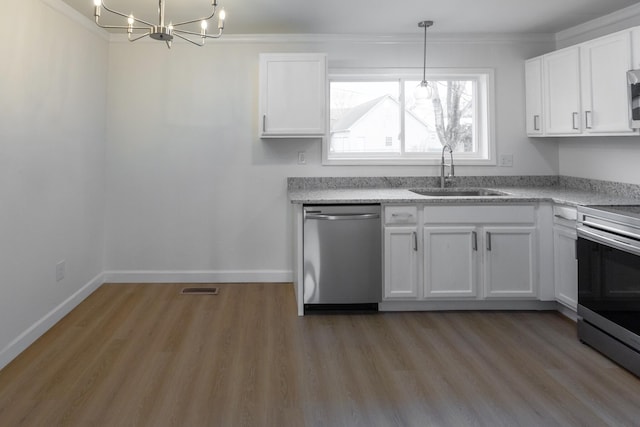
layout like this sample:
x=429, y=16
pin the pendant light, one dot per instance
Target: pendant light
x=423, y=91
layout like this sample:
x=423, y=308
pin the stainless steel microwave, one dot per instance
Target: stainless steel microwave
x=633, y=83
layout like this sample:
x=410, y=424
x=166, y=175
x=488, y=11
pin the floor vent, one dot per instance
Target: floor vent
x=199, y=291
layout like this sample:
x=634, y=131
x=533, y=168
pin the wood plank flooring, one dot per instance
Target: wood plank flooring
x=144, y=355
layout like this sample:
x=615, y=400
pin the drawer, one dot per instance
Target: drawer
x=479, y=214
x=401, y=215
x=564, y=213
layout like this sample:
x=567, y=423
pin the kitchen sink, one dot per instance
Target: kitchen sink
x=454, y=192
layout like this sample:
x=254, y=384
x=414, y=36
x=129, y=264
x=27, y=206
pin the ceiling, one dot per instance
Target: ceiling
x=376, y=17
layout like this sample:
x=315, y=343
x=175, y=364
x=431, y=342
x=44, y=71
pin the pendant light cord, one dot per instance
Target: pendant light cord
x=424, y=64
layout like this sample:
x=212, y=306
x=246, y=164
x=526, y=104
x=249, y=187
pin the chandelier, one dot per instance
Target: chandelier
x=423, y=91
x=161, y=31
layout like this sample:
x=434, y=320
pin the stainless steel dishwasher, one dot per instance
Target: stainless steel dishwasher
x=342, y=251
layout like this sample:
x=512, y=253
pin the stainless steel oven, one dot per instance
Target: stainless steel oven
x=609, y=282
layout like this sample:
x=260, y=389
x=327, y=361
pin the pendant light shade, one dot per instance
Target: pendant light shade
x=423, y=91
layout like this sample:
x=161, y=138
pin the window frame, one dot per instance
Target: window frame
x=485, y=112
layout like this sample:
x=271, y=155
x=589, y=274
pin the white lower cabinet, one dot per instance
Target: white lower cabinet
x=462, y=252
x=401, y=247
x=509, y=264
x=400, y=262
x=565, y=265
x=455, y=257
x=450, y=261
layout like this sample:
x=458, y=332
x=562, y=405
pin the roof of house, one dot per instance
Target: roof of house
x=356, y=113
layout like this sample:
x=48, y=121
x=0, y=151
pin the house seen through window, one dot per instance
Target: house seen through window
x=378, y=121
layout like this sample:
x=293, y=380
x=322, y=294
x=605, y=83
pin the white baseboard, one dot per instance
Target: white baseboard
x=467, y=305
x=568, y=312
x=198, y=276
x=36, y=330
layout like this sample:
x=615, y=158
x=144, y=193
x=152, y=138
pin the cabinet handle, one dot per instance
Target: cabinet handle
x=587, y=119
x=264, y=123
x=564, y=217
x=536, y=122
x=474, y=240
x=415, y=241
x=488, y=241
x=575, y=120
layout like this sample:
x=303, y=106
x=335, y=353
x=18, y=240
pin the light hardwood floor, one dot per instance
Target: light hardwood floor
x=144, y=355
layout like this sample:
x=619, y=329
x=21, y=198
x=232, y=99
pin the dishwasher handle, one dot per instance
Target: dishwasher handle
x=341, y=217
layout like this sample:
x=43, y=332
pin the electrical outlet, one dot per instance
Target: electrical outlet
x=60, y=267
x=302, y=157
x=506, y=160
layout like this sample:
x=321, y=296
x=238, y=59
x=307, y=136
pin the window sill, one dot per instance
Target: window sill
x=406, y=162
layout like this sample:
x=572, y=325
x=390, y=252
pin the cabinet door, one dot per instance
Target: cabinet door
x=292, y=94
x=635, y=48
x=509, y=262
x=533, y=82
x=565, y=266
x=400, y=262
x=562, y=92
x=450, y=261
x=604, y=64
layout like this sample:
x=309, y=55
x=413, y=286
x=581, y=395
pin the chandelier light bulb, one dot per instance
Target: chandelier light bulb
x=131, y=19
x=203, y=25
x=221, y=19
x=97, y=2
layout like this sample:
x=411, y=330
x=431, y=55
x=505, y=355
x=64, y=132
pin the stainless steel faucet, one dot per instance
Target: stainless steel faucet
x=450, y=177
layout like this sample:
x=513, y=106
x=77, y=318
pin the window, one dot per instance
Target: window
x=374, y=118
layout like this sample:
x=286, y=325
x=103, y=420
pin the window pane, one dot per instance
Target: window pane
x=448, y=118
x=364, y=117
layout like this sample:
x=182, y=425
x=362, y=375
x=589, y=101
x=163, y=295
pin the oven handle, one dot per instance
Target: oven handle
x=603, y=238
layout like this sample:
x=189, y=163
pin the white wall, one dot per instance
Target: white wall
x=52, y=142
x=605, y=158
x=191, y=188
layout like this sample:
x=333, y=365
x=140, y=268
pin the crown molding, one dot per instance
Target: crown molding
x=391, y=39
x=629, y=12
x=77, y=17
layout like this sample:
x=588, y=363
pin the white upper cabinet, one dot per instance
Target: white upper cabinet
x=292, y=95
x=635, y=48
x=604, y=64
x=533, y=74
x=582, y=89
x=561, y=94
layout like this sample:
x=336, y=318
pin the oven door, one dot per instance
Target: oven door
x=609, y=283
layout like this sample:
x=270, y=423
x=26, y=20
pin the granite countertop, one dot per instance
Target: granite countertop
x=527, y=194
